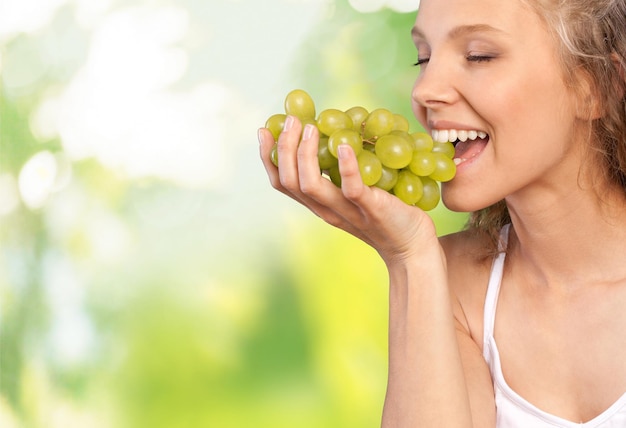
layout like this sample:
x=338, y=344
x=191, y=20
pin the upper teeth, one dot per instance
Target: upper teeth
x=451, y=135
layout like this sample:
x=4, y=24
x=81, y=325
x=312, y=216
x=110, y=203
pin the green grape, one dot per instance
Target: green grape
x=422, y=141
x=409, y=187
x=445, y=167
x=423, y=163
x=325, y=158
x=370, y=167
x=334, y=175
x=275, y=123
x=345, y=136
x=274, y=155
x=400, y=123
x=388, y=179
x=300, y=104
x=378, y=123
x=331, y=120
x=446, y=148
x=394, y=151
x=358, y=115
x=431, y=195
x=404, y=135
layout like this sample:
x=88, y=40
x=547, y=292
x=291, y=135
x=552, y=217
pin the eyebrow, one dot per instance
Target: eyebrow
x=460, y=31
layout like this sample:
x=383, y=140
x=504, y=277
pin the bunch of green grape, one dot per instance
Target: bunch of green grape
x=408, y=165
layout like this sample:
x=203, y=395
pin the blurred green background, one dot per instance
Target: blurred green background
x=149, y=275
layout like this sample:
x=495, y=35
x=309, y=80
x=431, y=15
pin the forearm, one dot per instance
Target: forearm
x=426, y=386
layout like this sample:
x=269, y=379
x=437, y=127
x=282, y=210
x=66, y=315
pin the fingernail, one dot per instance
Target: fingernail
x=308, y=131
x=342, y=151
x=259, y=134
x=288, y=123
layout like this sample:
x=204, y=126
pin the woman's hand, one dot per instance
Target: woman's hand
x=396, y=230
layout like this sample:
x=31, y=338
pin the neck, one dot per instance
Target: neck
x=570, y=241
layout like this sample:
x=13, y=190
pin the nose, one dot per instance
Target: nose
x=434, y=87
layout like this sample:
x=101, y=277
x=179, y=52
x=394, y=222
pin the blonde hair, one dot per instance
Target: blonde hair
x=591, y=36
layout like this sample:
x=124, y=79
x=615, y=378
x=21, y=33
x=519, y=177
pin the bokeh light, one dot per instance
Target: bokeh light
x=149, y=274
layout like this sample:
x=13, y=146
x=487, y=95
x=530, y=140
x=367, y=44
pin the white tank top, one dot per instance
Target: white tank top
x=513, y=411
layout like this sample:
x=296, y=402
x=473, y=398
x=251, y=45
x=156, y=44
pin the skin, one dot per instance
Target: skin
x=560, y=318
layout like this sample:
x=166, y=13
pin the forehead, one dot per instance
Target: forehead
x=506, y=15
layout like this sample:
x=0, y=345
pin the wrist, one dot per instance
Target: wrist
x=422, y=254
x=423, y=269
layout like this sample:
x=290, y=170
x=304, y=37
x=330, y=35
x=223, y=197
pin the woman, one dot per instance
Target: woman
x=546, y=243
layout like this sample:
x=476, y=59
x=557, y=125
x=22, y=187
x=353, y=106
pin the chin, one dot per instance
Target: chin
x=463, y=202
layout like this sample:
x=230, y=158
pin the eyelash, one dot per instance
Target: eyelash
x=478, y=58
x=469, y=58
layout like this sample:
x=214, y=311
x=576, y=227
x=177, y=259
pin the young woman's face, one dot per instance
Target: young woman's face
x=491, y=66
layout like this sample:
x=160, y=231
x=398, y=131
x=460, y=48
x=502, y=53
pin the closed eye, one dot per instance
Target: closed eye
x=479, y=58
x=421, y=61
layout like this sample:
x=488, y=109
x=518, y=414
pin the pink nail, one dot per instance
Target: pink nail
x=308, y=131
x=288, y=123
x=342, y=151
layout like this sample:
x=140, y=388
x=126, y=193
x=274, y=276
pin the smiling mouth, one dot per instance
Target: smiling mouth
x=467, y=143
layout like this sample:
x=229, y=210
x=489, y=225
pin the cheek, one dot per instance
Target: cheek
x=534, y=97
x=540, y=119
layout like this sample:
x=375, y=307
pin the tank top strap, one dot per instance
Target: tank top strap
x=493, y=290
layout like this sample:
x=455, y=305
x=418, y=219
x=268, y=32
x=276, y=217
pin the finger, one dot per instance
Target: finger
x=309, y=173
x=266, y=143
x=287, y=159
x=351, y=182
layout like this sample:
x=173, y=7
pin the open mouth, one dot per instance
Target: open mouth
x=467, y=143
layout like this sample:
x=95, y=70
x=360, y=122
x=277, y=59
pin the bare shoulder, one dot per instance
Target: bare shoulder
x=468, y=266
